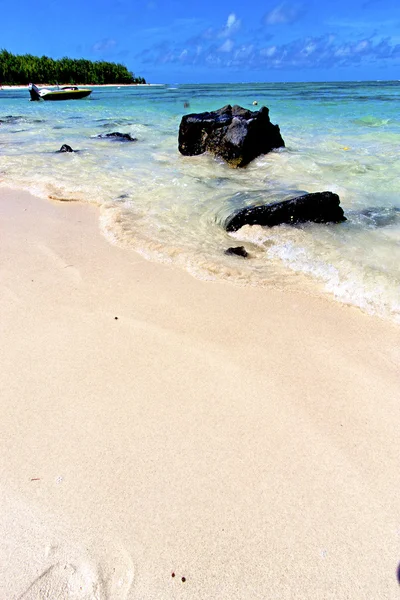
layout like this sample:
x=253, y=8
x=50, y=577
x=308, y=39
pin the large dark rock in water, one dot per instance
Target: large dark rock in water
x=235, y=134
x=320, y=207
x=116, y=135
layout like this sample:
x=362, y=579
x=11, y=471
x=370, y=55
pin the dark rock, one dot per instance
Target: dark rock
x=320, y=207
x=116, y=135
x=238, y=251
x=66, y=148
x=233, y=133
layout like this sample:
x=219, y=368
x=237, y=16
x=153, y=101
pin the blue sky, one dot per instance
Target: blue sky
x=185, y=41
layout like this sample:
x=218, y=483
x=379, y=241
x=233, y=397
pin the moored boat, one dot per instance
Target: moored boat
x=67, y=92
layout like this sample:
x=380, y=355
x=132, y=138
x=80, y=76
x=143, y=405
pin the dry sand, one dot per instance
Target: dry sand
x=243, y=439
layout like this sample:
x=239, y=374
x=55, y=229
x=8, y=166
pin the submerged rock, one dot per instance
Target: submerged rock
x=116, y=135
x=233, y=133
x=380, y=216
x=14, y=120
x=237, y=251
x=66, y=148
x=320, y=207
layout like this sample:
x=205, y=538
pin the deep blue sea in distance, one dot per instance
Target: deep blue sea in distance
x=341, y=137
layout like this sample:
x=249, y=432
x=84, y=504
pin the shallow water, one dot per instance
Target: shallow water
x=342, y=137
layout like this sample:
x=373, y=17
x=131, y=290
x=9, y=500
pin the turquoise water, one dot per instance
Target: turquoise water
x=342, y=137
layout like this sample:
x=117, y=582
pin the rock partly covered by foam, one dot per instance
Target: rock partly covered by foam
x=237, y=251
x=233, y=133
x=320, y=207
x=116, y=135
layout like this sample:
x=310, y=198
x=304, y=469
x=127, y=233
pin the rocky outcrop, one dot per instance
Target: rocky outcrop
x=116, y=135
x=320, y=207
x=233, y=133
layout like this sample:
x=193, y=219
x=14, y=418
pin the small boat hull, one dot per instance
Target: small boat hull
x=73, y=95
x=66, y=93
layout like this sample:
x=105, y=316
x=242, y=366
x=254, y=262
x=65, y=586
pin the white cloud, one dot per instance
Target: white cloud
x=231, y=20
x=342, y=51
x=361, y=46
x=232, y=25
x=309, y=49
x=324, y=51
x=268, y=51
x=244, y=52
x=284, y=13
x=226, y=46
x=104, y=45
x=358, y=24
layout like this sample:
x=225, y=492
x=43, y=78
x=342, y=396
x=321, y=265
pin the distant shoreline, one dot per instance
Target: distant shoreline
x=95, y=85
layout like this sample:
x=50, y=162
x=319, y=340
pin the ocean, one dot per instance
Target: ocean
x=340, y=137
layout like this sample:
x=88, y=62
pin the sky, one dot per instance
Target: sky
x=177, y=41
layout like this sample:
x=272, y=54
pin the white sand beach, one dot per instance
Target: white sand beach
x=244, y=440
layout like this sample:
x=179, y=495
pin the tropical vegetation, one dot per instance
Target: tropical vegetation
x=26, y=68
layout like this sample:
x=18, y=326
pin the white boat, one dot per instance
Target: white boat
x=67, y=92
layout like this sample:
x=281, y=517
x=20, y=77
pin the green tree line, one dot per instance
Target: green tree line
x=25, y=68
